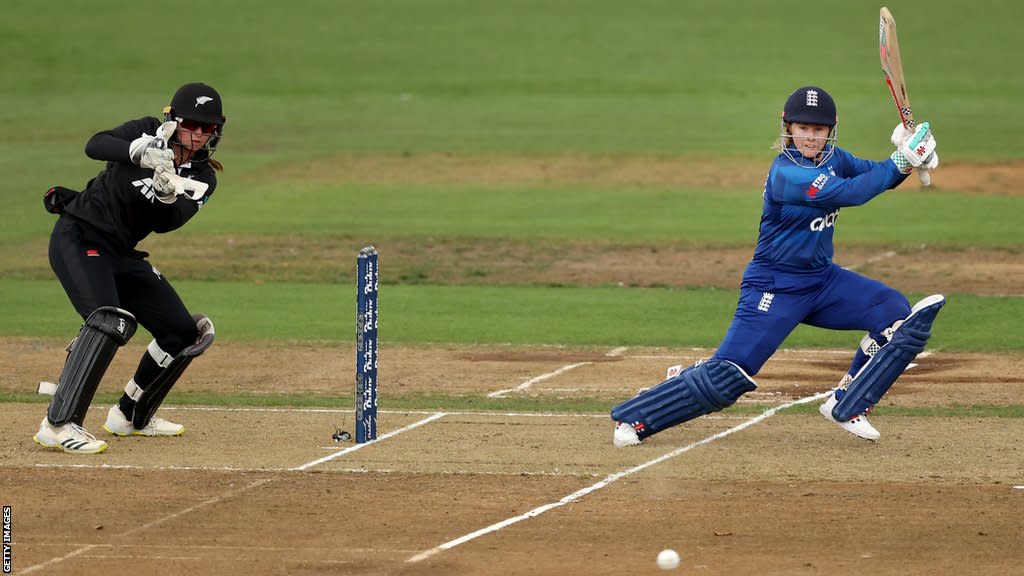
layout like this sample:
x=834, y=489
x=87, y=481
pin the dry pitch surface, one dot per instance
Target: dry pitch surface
x=265, y=491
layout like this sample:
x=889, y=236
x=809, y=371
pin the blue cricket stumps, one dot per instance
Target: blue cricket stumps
x=366, y=345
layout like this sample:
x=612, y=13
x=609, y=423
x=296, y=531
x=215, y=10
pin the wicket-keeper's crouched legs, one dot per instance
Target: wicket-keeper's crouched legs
x=165, y=359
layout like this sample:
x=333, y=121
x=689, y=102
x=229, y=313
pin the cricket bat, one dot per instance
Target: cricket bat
x=889, y=52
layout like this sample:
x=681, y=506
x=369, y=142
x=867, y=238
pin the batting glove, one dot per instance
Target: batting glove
x=916, y=150
x=931, y=162
x=900, y=134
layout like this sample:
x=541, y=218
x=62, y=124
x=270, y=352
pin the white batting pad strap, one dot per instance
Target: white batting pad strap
x=868, y=345
x=159, y=356
x=132, y=390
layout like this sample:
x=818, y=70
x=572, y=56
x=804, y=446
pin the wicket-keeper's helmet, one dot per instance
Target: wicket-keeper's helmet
x=810, y=105
x=198, y=106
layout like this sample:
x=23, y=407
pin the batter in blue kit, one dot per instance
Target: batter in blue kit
x=792, y=280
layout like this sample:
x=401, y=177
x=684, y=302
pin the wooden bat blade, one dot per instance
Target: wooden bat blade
x=892, y=66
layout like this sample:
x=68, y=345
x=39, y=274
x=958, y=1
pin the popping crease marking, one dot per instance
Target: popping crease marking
x=617, y=352
x=535, y=379
x=609, y=480
x=351, y=449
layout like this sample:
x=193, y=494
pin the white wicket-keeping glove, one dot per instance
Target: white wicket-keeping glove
x=139, y=145
x=154, y=158
x=150, y=151
x=168, y=186
x=164, y=185
x=192, y=189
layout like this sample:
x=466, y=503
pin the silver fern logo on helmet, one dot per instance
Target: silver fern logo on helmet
x=203, y=100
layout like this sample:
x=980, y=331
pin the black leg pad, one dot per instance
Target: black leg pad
x=104, y=331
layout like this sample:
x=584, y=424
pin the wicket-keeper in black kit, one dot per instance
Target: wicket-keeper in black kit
x=158, y=175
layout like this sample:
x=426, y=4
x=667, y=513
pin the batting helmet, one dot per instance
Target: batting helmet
x=810, y=105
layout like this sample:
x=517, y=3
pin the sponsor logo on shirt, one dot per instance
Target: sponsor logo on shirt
x=145, y=187
x=826, y=221
x=817, y=185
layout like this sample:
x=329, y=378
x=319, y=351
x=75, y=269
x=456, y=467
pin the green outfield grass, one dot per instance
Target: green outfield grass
x=518, y=78
x=396, y=400
x=648, y=76
x=720, y=217
x=491, y=314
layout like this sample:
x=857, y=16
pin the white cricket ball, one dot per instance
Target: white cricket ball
x=668, y=559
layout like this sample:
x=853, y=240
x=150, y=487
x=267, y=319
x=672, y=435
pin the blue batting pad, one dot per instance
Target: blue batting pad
x=701, y=389
x=878, y=375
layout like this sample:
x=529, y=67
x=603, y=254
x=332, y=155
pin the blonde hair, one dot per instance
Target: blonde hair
x=782, y=142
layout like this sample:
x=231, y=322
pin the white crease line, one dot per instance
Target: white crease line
x=613, y=353
x=609, y=479
x=227, y=409
x=925, y=354
x=202, y=504
x=346, y=411
x=51, y=561
x=707, y=351
x=351, y=449
x=212, y=547
x=127, y=557
x=171, y=468
x=535, y=379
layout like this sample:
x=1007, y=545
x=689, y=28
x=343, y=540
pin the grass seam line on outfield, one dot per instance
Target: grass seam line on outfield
x=609, y=480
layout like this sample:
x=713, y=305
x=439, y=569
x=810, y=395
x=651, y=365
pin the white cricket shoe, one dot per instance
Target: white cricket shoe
x=858, y=425
x=118, y=425
x=69, y=437
x=625, y=435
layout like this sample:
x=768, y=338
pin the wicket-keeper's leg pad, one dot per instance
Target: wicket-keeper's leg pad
x=147, y=401
x=876, y=377
x=701, y=389
x=104, y=331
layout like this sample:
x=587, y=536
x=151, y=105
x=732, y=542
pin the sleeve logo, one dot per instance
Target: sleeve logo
x=817, y=185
